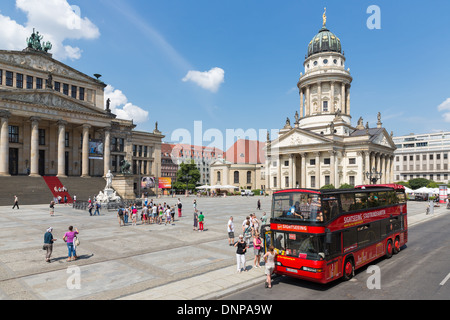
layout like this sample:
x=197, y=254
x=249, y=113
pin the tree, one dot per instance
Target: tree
x=347, y=186
x=188, y=173
x=327, y=186
x=418, y=183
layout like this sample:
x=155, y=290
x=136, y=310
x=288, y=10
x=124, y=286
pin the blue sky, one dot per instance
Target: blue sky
x=254, y=51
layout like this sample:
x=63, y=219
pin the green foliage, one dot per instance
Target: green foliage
x=346, y=186
x=327, y=186
x=188, y=173
x=418, y=183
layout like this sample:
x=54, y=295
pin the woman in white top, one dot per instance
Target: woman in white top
x=168, y=215
x=269, y=258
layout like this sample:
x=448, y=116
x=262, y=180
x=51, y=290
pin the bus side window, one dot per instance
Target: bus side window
x=347, y=202
x=360, y=201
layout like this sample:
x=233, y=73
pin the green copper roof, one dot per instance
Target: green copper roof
x=324, y=41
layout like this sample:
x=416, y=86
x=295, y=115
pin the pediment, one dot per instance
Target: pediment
x=51, y=100
x=299, y=137
x=44, y=63
x=384, y=140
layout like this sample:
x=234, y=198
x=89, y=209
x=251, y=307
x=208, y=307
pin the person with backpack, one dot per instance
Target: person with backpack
x=120, y=215
x=179, y=208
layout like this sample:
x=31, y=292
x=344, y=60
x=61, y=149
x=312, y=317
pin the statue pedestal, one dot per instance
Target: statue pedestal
x=124, y=186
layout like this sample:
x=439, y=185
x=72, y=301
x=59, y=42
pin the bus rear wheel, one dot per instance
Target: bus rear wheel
x=396, y=247
x=349, y=269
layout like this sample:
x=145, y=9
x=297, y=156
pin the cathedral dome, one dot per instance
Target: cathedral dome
x=324, y=41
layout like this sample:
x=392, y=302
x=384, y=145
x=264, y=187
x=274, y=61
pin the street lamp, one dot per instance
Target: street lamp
x=186, y=178
x=374, y=175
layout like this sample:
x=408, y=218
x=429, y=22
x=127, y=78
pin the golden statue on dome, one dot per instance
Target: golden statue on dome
x=325, y=18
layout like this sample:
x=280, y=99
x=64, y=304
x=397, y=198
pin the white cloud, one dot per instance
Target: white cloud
x=445, y=106
x=209, y=80
x=56, y=20
x=122, y=108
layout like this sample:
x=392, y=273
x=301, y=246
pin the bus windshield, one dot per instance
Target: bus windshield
x=296, y=245
x=301, y=206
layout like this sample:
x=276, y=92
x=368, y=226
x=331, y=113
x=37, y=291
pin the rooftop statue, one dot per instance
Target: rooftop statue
x=34, y=42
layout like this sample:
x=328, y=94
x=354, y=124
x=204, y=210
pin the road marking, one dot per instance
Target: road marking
x=445, y=280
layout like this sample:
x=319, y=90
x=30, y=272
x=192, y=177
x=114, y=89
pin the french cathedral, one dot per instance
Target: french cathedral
x=322, y=147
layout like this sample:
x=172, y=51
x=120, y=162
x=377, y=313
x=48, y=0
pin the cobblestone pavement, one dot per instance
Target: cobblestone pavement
x=132, y=262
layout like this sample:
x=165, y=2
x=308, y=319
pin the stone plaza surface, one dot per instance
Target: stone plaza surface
x=143, y=262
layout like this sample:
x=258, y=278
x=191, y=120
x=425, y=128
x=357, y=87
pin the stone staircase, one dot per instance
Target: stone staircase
x=32, y=191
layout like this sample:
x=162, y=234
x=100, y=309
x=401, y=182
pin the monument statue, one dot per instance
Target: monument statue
x=325, y=18
x=34, y=42
x=125, y=167
x=109, y=177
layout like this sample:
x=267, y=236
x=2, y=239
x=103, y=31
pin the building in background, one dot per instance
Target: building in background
x=243, y=166
x=322, y=147
x=422, y=156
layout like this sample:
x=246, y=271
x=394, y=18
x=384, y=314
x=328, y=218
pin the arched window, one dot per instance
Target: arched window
x=236, y=177
x=249, y=177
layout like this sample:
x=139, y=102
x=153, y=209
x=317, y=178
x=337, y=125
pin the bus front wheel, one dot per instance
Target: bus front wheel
x=349, y=269
x=389, y=249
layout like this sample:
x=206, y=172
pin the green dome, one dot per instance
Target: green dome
x=324, y=41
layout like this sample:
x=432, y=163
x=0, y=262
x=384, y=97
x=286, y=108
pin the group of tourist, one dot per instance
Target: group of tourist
x=251, y=236
x=70, y=238
x=151, y=213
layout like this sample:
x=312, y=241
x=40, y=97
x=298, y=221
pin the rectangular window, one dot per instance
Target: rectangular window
x=326, y=161
x=312, y=162
x=325, y=106
x=39, y=83
x=313, y=181
x=351, y=180
x=9, y=78
x=121, y=144
x=74, y=92
x=57, y=86
x=1, y=77
x=29, y=82
x=19, y=80
x=13, y=134
x=347, y=202
x=327, y=180
x=67, y=140
x=66, y=89
x=42, y=137
x=353, y=161
x=81, y=94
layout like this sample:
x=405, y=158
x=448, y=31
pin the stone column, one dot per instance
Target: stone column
x=319, y=96
x=61, y=149
x=332, y=98
x=317, y=154
x=295, y=172
x=333, y=168
x=34, y=147
x=85, y=151
x=301, y=103
x=383, y=169
x=107, y=152
x=279, y=172
x=308, y=101
x=360, y=177
x=344, y=111
x=291, y=171
x=367, y=167
x=303, y=178
x=348, y=100
x=4, y=144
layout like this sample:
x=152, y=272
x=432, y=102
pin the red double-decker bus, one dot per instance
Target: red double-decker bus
x=323, y=235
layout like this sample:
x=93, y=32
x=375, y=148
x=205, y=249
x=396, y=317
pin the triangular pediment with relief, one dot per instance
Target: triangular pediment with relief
x=48, y=99
x=384, y=140
x=299, y=137
x=44, y=63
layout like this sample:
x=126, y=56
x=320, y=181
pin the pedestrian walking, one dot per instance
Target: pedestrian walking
x=257, y=250
x=52, y=208
x=133, y=211
x=258, y=205
x=48, y=244
x=69, y=237
x=264, y=219
x=172, y=213
x=195, y=220
x=269, y=259
x=121, y=215
x=16, y=202
x=168, y=216
x=230, y=229
x=241, y=249
x=247, y=232
x=90, y=206
x=180, y=206
x=201, y=220
x=97, y=208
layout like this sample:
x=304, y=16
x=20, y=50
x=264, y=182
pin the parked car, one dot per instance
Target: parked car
x=247, y=193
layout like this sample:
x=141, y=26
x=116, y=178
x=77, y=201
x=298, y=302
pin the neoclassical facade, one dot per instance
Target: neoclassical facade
x=50, y=112
x=322, y=147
